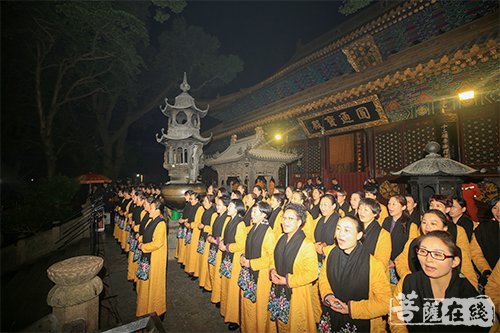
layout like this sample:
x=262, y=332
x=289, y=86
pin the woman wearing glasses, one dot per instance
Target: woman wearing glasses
x=407, y=262
x=438, y=279
x=294, y=269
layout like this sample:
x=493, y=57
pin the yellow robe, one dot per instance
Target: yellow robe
x=204, y=281
x=305, y=272
x=309, y=226
x=123, y=233
x=478, y=256
x=152, y=293
x=492, y=290
x=277, y=229
x=214, y=270
x=379, y=293
x=132, y=265
x=230, y=291
x=383, y=213
x=255, y=316
x=192, y=264
x=179, y=248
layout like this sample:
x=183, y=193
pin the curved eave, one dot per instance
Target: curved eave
x=164, y=138
x=201, y=112
x=435, y=174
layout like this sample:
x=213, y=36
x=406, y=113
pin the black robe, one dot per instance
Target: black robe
x=421, y=284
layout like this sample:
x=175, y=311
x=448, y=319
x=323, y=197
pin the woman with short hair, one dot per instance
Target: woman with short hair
x=254, y=276
x=353, y=284
x=295, y=267
x=439, y=279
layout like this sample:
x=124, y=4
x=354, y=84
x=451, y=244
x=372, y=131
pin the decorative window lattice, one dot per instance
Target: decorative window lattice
x=481, y=144
x=415, y=141
x=387, y=151
x=313, y=158
x=295, y=168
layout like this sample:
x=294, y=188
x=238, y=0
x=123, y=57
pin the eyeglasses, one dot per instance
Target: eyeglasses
x=434, y=254
x=291, y=218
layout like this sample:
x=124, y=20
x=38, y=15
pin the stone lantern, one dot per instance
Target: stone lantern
x=434, y=174
x=75, y=297
x=183, y=146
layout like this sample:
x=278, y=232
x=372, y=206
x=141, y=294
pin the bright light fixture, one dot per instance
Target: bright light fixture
x=277, y=136
x=466, y=95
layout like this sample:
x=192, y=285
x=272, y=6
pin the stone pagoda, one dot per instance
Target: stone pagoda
x=183, y=145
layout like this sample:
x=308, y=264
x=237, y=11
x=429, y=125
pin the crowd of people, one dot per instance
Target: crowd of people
x=306, y=259
x=303, y=259
x=141, y=231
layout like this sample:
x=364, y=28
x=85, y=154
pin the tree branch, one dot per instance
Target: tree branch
x=212, y=79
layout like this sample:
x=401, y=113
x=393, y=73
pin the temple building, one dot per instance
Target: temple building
x=363, y=100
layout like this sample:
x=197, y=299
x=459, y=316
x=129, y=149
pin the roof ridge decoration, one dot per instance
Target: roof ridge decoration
x=183, y=100
x=454, y=61
x=407, y=9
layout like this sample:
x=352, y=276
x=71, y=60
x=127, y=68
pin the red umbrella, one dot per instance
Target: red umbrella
x=93, y=178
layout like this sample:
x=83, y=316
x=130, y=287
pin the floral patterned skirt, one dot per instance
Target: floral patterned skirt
x=187, y=239
x=133, y=243
x=226, y=266
x=143, y=268
x=212, y=254
x=279, y=304
x=182, y=232
x=137, y=254
x=201, y=245
x=247, y=283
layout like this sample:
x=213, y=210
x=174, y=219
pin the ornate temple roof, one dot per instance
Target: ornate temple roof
x=183, y=101
x=434, y=164
x=252, y=147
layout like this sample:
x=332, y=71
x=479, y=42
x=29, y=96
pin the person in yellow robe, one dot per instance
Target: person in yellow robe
x=371, y=193
x=207, y=220
x=137, y=215
x=193, y=211
x=492, y=290
x=215, y=255
x=276, y=214
x=254, y=276
x=324, y=234
x=376, y=239
x=439, y=278
x=434, y=219
x=232, y=246
x=118, y=214
x=193, y=259
x=353, y=284
x=122, y=235
x=485, y=243
x=294, y=269
x=152, y=267
x=298, y=197
x=181, y=234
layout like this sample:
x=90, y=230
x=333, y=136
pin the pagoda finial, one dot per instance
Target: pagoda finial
x=185, y=85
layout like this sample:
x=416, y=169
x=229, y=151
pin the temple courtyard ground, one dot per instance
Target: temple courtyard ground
x=24, y=292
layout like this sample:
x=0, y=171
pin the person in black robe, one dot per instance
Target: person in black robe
x=460, y=216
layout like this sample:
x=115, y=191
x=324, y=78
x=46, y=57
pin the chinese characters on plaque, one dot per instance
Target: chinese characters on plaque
x=361, y=113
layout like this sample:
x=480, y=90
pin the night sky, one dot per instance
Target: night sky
x=263, y=34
